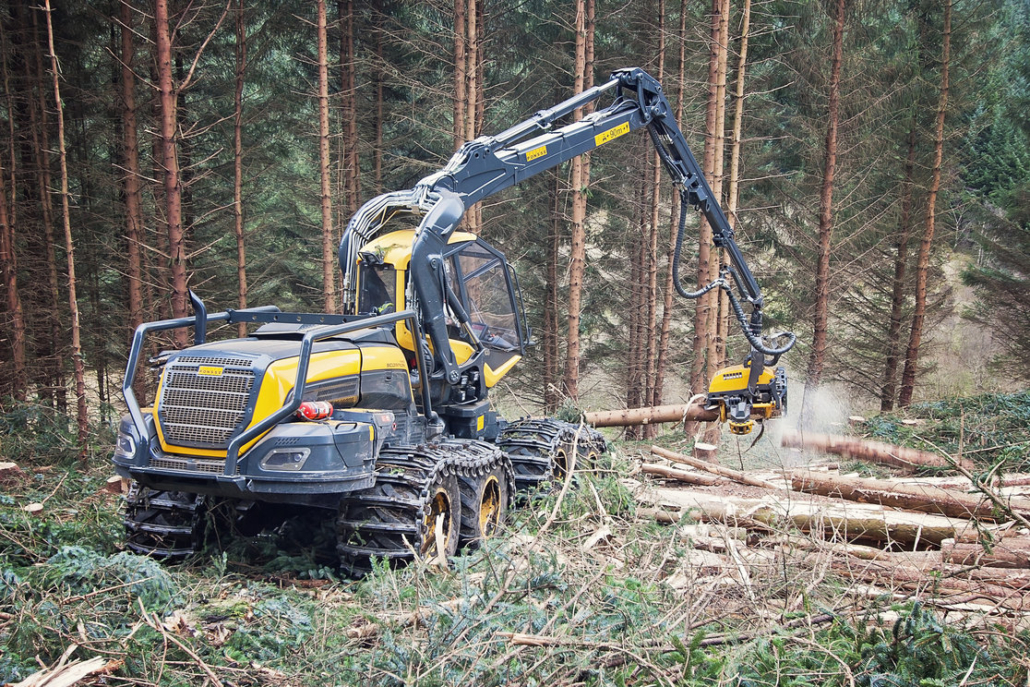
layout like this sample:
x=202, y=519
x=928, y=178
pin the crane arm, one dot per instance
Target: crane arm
x=490, y=164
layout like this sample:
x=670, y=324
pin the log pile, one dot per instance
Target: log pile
x=943, y=539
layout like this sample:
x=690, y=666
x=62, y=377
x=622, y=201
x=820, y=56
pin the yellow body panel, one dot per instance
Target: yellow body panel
x=735, y=379
x=492, y=376
x=280, y=378
x=395, y=248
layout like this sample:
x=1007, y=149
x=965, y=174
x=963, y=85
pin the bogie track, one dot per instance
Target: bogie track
x=539, y=449
x=163, y=524
x=416, y=487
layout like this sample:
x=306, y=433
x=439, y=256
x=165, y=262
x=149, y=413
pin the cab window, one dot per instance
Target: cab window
x=490, y=308
x=378, y=289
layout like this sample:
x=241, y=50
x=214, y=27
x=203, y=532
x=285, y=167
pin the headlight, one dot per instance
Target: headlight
x=287, y=459
x=125, y=446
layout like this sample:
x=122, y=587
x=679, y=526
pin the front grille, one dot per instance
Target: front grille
x=214, y=467
x=204, y=411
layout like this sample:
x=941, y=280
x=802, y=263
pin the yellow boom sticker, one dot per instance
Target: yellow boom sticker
x=611, y=134
x=535, y=153
x=210, y=371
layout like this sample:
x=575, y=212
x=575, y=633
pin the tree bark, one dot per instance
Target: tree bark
x=170, y=165
x=822, y=275
x=923, y=498
x=643, y=416
x=9, y=270
x=580, y=181
x=237, y=187
x=720, y=309
x=348, y=86
x=1011, y=552
x=552, y=362
x=653, y=337
x=713, y=468
x=908, y=376
x=875, y=451
x=73, y=307
x=460, y=64
x=667, y=305
x=380, y=87
x=890, y=375
x=328, y=252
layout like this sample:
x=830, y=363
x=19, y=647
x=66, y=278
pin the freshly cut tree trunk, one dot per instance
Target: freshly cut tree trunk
x=73, y=305
x=713, y=468
x=328, y=252
x=643, y=416
x=1011, y=552
x=698, y=478
x=923, y=498
x=822, y=274
x=908, y=376
x=842, y=520
x=875, y=451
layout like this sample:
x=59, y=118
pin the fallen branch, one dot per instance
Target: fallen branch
x=65, y=674
x=713, y=468
x=371, y=629
x=875, y=451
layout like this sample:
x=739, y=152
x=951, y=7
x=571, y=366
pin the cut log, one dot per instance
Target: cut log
x=713, y=468
x=644, y=416
x=875, y=451
x=705, y=452
x=856, y=420
x=922, y=498
x=1011, y=552
x=10, y=472
x=34, y=509
x=842, y=520
x=700, y=478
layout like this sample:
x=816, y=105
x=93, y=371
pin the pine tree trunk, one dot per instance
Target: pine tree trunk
x=348, y=86
x=822, y=275
x=738, y=118
x=472, y=84
x=328, y=254
x=380, y=80
x=666, y=326
x=580, y=180
x=653, y=339
x=908, y=376
x=890, y=375
x=237, y=186
x=9, y=270
x=707, y=258
x=552, y=362
x=54, y=374
x=460, y=65
x=80, y=370
x=134, y=230
x=170, y=164
x=720, y=309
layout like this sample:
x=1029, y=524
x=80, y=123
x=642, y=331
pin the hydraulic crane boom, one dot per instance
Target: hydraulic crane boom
x=490, y=164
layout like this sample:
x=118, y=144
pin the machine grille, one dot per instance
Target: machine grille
x=215, y=467
x=203, y=410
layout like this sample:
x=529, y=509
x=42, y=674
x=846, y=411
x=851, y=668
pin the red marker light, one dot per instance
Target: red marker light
x=314, y=410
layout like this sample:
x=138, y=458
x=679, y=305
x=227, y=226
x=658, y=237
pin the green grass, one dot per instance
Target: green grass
x=262, y=613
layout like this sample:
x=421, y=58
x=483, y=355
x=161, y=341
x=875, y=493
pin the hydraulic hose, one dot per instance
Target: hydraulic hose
x=738, y=311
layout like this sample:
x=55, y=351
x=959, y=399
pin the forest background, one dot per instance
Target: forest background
x=872, y=154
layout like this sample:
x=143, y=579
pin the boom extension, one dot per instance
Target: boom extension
x=490, y=164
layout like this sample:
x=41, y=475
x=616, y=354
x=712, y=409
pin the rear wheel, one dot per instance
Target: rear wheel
x=484, y=500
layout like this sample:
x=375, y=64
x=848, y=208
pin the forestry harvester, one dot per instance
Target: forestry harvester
x=381, y=417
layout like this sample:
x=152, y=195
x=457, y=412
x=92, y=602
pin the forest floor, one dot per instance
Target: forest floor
x=588, y=587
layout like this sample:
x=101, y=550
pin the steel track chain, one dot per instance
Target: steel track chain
x=388, y=520
x=534, y=444
x=164, y=524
